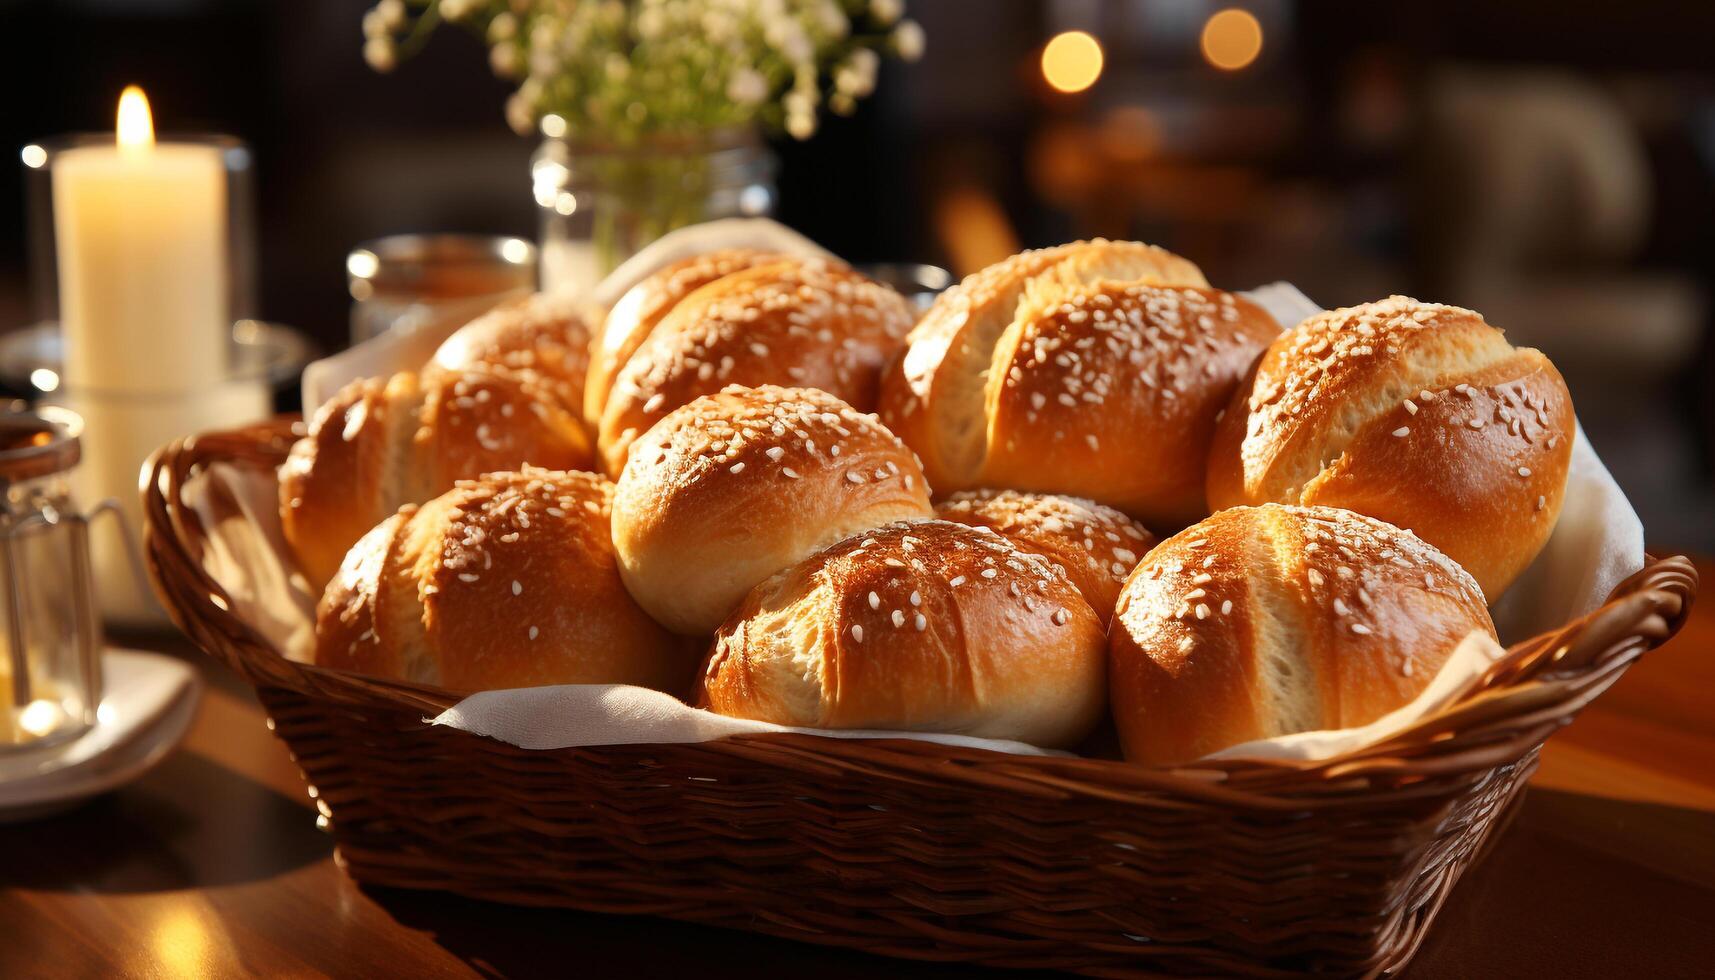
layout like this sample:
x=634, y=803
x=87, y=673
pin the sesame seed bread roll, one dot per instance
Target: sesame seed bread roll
x=544, y=333
x=1271, y=620
x=735, y=486
x=634, y=317
x=806, y=323
x=504, y=581
x=1419, y=414
x=1094, y=369
x=380, y=443
x=1096, y=547
x=922, y=626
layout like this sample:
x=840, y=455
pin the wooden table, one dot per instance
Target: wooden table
x=212, y=865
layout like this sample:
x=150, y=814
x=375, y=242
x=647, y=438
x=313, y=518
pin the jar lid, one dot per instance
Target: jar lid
x=38, y=443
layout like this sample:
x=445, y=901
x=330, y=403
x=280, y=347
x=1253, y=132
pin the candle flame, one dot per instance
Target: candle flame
x=136, y=127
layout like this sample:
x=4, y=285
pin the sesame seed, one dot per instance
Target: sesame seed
x=874, y=601
x=857, y=633
x=1200, y=542
x=655, y=401
x=957, y=581
x=853, y=476
x=1524, y=471
x=1196, y=594
x=1475, y=423
x=1202, y=610
x=1361, y=629
x=775, y=452
x=1410, y=407
x=1201, y=578
x=898, y=618
x=517, y=587
x=1060, y=616
x=1314, y=576
x=1340, y=608
x=1426, y=395
x=791, y=474
x=916, y=599
x=1541, y=502
x=989, y=573
x=1226, y=607
x=920, y=622
x=468, y=577
x=737, y=468
x=1402, y=432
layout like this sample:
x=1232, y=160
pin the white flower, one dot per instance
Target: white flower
x=801, y=125
x=456, y=9
x=504, y=27
x=908, y=40
x=374, y=25
x=380, y=53
x=800, y=102
x=505, y=59
x=856, y=77
x=886, y=11
x=747, y=87
x=520, y=114
x=392, y=13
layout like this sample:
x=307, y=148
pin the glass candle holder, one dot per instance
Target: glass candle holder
x=50, y=638
x=424, y=281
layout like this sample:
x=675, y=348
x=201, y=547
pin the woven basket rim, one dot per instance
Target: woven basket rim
x=1524, y=696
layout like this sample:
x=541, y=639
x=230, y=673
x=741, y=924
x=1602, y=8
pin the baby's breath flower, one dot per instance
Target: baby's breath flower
x=505, y=59
x=747, y=87
x=374, y=25
x=520, y=114
x=801, y=125
x=457, y=9
x=886, y=11
x=380, y=53
x=504, y=27
x=908, y=40
x=392, y=13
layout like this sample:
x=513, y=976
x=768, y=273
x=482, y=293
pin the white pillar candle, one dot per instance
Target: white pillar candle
x=140, y=234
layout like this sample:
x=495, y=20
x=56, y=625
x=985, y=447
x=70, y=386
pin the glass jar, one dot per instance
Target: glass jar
x=429, y=281
x=601, y=203
x=50, y=637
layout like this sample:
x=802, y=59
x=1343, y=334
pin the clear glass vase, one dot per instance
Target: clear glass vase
x=601, y=203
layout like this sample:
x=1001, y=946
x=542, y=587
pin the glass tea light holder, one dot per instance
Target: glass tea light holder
x=142, y=257
x=428, y=281
x=50, y=635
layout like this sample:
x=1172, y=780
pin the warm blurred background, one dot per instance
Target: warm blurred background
x=1551, y=164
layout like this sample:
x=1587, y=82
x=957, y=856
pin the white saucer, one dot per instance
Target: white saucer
x=148, y=703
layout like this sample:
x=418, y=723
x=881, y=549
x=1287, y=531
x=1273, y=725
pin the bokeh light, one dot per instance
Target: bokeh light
x=1072, y=61
x=1232, y=39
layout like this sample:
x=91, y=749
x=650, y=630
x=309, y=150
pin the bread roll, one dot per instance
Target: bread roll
x=505, y=581
x=634, y=317
x=804, y=323
x=915, y=626
x=1094, y=369
x=1419, y=414
x=733, y=487
x=1094, y=546
x=1265, y=621
x=384, y=442
x=545, y=334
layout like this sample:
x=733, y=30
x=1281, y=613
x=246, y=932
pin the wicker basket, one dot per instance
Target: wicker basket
x=913, y=849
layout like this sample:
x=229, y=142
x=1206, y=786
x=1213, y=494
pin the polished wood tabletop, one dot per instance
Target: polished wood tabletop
x=211, y=865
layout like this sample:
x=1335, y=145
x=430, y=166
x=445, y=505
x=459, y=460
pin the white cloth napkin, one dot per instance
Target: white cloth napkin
x=1597, y=543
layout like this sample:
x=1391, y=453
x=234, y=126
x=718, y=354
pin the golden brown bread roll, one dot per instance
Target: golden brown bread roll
x=735, y=486
x=505, y=581
x=636, y=314
x=1096, y=547
x=805, y=323
x=381, y=443
x=1419, y=414
x=1094, y=369
x=545, y=334
x=1265, y=621
x=915, y=626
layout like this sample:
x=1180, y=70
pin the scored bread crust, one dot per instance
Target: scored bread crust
x=1094, y=546
x=802, y=322
x=636, y=314
x=1419, y=414
x=735, y=486
x=544, y=334
x=1265, y=621
x=1095, y=369
x=914, y=626
x=381, y=443
x=505, y=581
